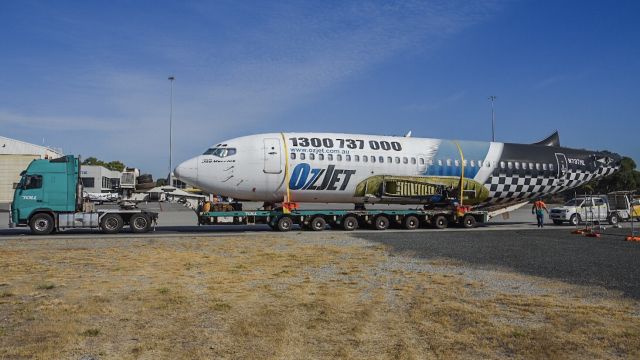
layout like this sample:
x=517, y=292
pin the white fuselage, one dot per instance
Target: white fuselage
x=326, y=167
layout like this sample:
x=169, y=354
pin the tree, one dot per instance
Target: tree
x=115, y=165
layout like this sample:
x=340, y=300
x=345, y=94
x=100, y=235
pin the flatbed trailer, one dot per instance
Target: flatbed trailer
x=348, y=220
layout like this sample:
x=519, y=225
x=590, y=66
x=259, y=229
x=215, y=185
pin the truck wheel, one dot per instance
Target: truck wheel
x=41, y=224
x=381, y=222
x=318, y=223
x=411, y=222
x=139, y=223
x=349, y=223
x=614, y=219
x=285, y=223
x=574, y=219
x=468, y=221
x=111, y=223
x=557, y=222
x=440, y=222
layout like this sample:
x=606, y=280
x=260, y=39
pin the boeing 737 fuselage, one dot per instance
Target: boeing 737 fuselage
x=348, y=168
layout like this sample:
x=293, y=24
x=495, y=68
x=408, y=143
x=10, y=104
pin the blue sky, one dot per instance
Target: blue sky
x=91, y=76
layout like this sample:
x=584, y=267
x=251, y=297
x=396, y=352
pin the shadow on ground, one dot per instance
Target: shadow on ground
x=608, y=261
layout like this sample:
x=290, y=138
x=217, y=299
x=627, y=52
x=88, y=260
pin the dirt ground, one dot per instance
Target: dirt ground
x=295, y=295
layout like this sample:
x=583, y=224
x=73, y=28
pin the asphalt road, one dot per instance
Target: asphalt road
x=608, y=261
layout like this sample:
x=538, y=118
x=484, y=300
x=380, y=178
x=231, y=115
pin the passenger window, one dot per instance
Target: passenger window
x=524, y=166
x=551, y=167
x=356, y=158
x=501, y=164
x=509, y=165
x=339, y=157
x=544, y=167
x=302, y=156
x=33, y=182
x=538, y=166
x=473, y=163
x=312, y=156
x=373, y=159
x=320, y=156
x=330, y=157
x=448, y=162
x=389, y=159
x=397, y=160
x=365, y=158
x=439, y=162
x=531, y=166
x=381, y=159
x=516, y=165
x=413, y=161
x=347, y=157
x=456, y=163
x=293, y=156
x=405, y=160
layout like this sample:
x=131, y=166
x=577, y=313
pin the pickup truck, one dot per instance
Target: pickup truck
x=613, y=207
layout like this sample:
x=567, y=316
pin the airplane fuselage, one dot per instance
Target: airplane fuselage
x=348, y=168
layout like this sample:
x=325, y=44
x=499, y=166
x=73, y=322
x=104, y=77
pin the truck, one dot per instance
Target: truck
x=613, y=208
x=49, y=197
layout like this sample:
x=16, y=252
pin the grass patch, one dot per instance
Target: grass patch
x=91, y=332
x=46, y=286
x=6, y=294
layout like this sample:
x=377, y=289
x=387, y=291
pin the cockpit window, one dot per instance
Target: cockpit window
x=220, y=151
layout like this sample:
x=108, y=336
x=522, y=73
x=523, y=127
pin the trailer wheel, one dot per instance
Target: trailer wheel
x=139, y=223
x=41, y=224
x=285, y=223
x=440, y=222
x=381, y=222
x=468, y=221
x=349, y=223
x=411, y=222
x=318, y=223
x=111, y=223
x=614, y=219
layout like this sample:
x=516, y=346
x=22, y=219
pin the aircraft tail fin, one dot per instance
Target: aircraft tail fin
x=552, y=140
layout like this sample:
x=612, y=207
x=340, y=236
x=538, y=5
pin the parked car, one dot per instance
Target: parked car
x=582, y=208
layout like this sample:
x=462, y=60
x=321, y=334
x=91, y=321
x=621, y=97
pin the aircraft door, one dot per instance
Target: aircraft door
x=272, y=156
x=563, y=165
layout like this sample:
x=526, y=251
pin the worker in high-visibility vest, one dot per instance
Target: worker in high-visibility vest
x=539, y=207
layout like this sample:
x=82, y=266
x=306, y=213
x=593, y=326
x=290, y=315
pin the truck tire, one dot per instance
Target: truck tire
x=139, y=223
x=468, y=221
x=41, y=224
x=381, y=222
x=318, y=223
x=440, y=222
x=411, y=222
x=285, y=223
x=614, y=219
x=574, y=220
x=349, y=223
x=111, y=223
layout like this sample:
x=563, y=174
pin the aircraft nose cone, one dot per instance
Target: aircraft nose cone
x=187, y=171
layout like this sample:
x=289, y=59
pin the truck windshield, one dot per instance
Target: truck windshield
x=574, y=202
x=220, y=152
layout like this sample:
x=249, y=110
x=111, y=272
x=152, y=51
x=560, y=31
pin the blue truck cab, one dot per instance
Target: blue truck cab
x=49, y=198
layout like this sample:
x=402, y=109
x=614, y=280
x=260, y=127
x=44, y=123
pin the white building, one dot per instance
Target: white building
x=15, y=156
x=98, y=179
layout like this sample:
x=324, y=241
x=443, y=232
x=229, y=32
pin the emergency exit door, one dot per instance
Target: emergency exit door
x=272, y=156
x=563, y=165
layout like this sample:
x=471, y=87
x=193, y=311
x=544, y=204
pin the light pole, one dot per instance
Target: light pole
x=493, y=119
x=171, y=79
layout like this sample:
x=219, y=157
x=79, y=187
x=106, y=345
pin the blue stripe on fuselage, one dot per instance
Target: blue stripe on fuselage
x=472, y=150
